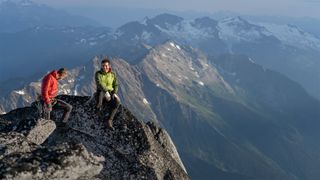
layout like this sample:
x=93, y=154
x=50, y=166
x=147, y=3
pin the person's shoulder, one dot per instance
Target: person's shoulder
x=48, y=76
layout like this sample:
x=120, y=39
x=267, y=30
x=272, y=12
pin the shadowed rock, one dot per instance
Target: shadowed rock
x=20, y=159
x=140, y=151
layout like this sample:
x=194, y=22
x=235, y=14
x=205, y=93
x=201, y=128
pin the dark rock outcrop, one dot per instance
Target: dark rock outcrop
x=139, y=151
x=20, y=159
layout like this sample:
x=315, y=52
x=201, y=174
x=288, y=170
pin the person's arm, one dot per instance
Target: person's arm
x=99, y=82
x=45, y=90
x=115, y=84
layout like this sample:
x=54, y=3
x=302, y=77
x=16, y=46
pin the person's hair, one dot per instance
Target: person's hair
x=105, y=60
x=62, y=71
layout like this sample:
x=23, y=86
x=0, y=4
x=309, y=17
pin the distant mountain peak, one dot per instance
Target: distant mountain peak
x=293, y=36
x=237, y=29
x=19, y=15
x=236, y=21
x=165, y=20
x=205, y=22
x=167, y=16
x=172, y=66
x=145, y=20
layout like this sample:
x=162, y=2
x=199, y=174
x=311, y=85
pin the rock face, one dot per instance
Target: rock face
x=22, y=160
x=140, y=151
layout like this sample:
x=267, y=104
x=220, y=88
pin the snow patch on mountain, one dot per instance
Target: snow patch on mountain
x=21, y=92
x=65, y=89
x=83, y=41
x=186, y=31
x=175, y=45
x=92, y=43
x=164, y=55
x=118, y=34
x=196, y=74
x=191, y=66
x=146, y=36
x=145, y=101
x=201, y=83
x=102, y=36
x=230, y=30
x=144, y=21
x=237, y=30
x=293, y=35
x=251, y=60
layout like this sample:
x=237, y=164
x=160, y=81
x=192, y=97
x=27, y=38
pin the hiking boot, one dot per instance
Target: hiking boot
x=64, y=121
x=108, y=124
x=99, y=113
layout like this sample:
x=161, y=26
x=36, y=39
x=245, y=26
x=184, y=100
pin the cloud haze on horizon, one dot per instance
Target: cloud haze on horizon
x=291, y=8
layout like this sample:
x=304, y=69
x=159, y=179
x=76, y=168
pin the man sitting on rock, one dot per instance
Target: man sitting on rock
x=107, y=88
x=49, y=90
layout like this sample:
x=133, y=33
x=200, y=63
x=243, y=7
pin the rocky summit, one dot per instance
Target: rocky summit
x=84, y=149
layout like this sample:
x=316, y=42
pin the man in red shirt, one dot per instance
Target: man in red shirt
x=49, y=90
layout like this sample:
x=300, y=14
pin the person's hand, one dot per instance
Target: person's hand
x=107, y=96
x=53, y=101
x=48, y=107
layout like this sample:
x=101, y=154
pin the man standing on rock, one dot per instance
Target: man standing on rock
x=107, y=88
x=49, y=90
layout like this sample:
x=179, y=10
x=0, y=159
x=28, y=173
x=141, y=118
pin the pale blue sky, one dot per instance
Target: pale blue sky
x=293, y=8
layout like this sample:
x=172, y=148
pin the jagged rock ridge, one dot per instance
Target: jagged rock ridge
x=142, y=151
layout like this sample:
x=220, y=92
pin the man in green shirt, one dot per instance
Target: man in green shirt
x=107, y=88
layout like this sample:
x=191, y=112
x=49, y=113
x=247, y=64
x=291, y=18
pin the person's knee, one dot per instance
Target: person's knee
x=117, y=101
x=69, y=108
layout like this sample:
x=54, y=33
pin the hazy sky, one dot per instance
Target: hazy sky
x=294, y=8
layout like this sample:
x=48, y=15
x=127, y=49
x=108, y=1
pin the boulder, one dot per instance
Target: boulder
x=41, y=131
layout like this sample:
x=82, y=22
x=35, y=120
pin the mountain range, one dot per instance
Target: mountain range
x=239, y=99
x=17, y=15
x=229, y=117
x=287, y=49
